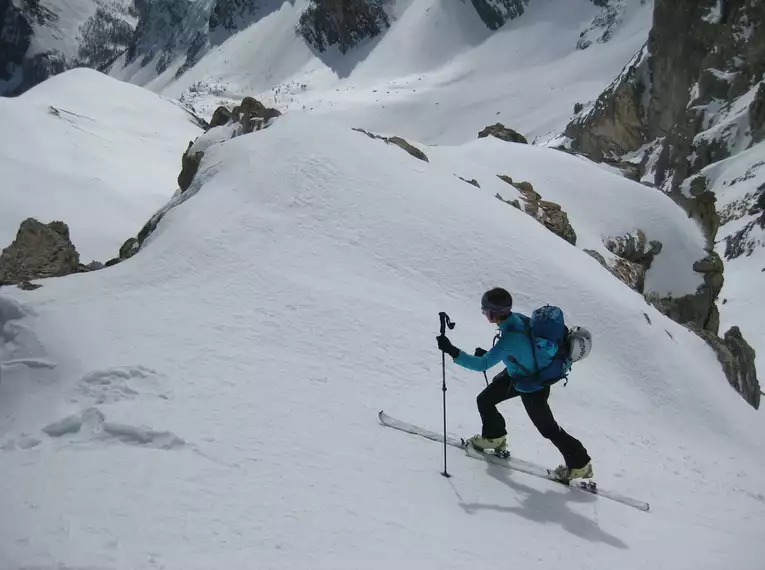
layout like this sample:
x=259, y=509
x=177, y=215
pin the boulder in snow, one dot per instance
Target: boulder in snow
x=399, y=142
x=39, y=251
x=549, y=214
x=504, y=133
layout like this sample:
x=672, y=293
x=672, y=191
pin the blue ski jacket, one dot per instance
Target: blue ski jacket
x=513, y=342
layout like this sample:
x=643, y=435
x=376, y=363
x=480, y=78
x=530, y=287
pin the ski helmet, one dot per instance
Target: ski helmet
x=579, y=343
x=497, y=301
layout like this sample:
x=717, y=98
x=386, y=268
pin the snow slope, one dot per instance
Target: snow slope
x=62, y=34
x=100, y=155
x=225, y=381
x=438, y=62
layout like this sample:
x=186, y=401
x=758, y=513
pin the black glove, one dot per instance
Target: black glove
x=479, y=351
x=445, y=345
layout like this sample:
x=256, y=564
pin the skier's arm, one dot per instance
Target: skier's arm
x=483, y=363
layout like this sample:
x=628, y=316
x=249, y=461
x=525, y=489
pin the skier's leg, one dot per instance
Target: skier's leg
x=498, y=391
x=574, y=453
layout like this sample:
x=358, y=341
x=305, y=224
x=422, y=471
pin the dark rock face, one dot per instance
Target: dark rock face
x=105, y=36
x=39, y=251
x=701, y=56
x=220, y=117
x=15, y=37
x=752, y=235
x=737, y=360
x=501, y=132
x=757, y=115
x=343, y=23
x=102, y=38
x=694, y=55
x=495, y=13
x=190, y=162
x=602, y=28
x=615, y=125
x=17, y=21
x=230, y=15
x=151, y=37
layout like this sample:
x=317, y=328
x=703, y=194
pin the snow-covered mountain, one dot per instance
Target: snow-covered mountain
x=41, y=38
x=686, y=115
x=267, y=277
x=212, y=399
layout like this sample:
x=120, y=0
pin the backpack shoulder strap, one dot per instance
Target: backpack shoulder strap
x=527, y=332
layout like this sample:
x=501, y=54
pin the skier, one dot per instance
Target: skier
x=514, y=349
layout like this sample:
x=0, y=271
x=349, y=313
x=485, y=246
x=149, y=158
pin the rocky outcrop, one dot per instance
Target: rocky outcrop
x=249, y=116
x=603, y=25
x=549, y=214
x=495, y=13
x=752, y=235
x=757, y=115
x=133, y=245
x=698, y=310
x=634, y=248
x=737, y=359
x=39, y=251
x=17, y=25
x=232, y=15
x=634, y=256
x=220, y=117
x=615, y=124
x=701, y=206
x=632, y=274
x=678, y=102
x=501, y=132
x=190, y=162
x=343, y=23
x=15, y=37
x=698, y=51
x=164, y=31
x=104, y=37
x=252, y=115
x=472, y=181
x=399, y=142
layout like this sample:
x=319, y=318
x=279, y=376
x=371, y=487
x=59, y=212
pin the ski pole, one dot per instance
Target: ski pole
x=445, y=322
x=493, y=344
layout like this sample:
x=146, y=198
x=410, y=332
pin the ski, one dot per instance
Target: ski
x=514, y=463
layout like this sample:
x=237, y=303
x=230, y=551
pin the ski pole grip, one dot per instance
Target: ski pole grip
x=445, y=322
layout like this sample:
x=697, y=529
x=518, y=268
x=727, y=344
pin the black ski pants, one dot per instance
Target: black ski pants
x=501, y=389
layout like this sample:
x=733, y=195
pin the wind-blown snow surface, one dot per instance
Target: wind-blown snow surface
x=437, y=63
x=226, y=380
x=98, y=154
